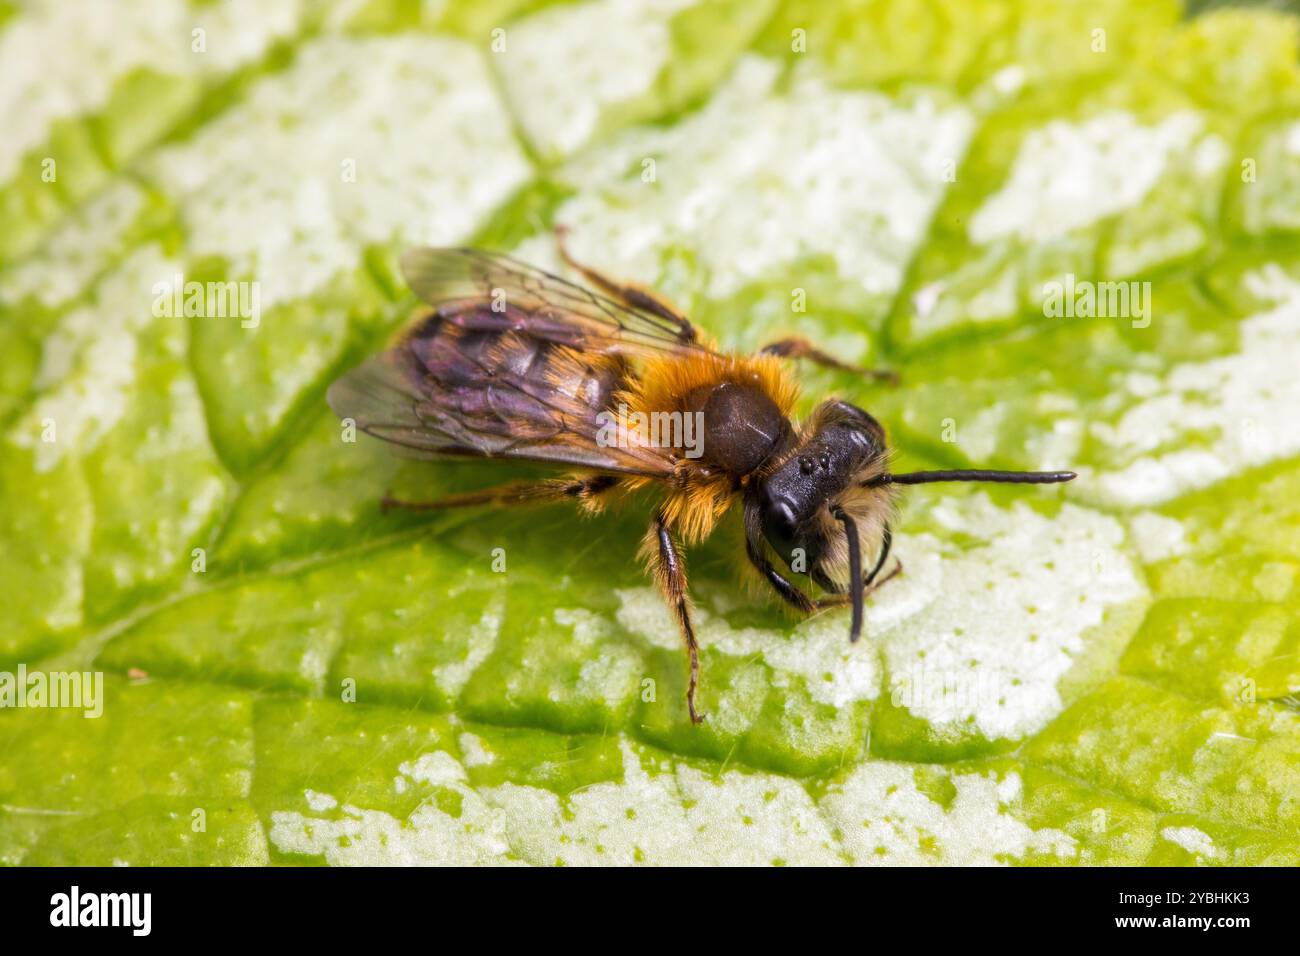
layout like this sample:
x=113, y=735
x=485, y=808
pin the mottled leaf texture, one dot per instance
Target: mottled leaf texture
x=1073, y=228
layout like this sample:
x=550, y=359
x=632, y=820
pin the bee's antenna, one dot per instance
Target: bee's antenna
x=972, y=474
x=855, y=571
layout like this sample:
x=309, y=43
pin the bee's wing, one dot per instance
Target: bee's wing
x=554, y=308
x=513, y=363
x=428, y=410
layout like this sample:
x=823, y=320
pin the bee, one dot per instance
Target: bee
x=513, y=362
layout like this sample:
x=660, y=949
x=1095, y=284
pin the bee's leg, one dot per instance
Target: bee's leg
x=787, y=591
x=629, y=293
x=839, y=600
x=802, y=348
x=514, y=493
x=754, y=550
x=669, y=570
x=869, y=581
x=886, y=541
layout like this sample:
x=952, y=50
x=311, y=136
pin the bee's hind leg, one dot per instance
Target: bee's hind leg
x=798, y=347
x=669, y=570
x=514, y=493
x=629, y=293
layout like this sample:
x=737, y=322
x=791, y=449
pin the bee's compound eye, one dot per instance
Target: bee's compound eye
x=779, y=522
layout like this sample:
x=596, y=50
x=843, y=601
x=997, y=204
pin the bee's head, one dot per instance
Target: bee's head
x=825, y=508
x=801, y=501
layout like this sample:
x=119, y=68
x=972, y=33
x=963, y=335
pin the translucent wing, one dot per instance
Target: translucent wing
x=513, y=362
x=458, y=281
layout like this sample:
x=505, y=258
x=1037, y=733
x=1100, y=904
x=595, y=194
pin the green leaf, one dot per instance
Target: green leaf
x=272, y=670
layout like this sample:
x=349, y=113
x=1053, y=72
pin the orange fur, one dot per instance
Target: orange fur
x=664, y=382
x=699, y=496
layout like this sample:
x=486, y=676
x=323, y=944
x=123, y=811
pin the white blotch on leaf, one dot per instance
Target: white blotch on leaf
x=77, y=249
x=760, y=177
x=88, y=362
x=673, y=814
x=1069, y=175
x=1010, y=613
x=480, y=641
x=431, y=140
x=1157, y=536
x=63, y=59
x=887, y=820
x=1194, y=841
x=560, y=81
x=1205, y=421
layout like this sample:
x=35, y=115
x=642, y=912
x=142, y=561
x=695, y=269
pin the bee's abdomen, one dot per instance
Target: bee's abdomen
x=512, y=372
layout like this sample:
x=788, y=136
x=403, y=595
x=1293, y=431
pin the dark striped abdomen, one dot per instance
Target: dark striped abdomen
x=520, y=383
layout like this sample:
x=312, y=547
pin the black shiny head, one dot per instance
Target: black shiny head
x=825, y=509
x=841, y=442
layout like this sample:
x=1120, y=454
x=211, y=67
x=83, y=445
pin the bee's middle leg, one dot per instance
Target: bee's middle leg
x=798, y=347
x=669, y=570
x=514, y=493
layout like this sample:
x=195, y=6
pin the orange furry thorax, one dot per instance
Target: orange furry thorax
x=665, y=383
x=700, y=494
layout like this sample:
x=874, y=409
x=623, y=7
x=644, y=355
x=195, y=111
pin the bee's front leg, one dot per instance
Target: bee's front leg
x=754, y=551
x=798, y=347
x=840, y=600
x=668, y=567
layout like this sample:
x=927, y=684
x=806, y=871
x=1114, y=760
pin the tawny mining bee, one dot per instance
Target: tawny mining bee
x=513, y=362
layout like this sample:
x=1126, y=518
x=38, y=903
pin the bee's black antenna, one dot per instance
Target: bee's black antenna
x=855, y=572
x=972, y=474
